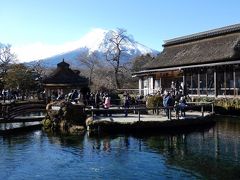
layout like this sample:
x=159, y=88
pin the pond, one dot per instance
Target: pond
x=212, y=153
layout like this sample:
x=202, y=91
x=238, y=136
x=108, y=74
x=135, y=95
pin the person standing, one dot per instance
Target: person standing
x=167, y=101
x=182, y=106
x=126, y=104
x=173, y=88
x=107, y=103
x=97, y=100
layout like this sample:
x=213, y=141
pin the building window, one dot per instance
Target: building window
x=229, y=81
x=188, y=82
x=237, y=78
x=210, y=82
x=202, y=83
x=220, y=82
x=194, y=83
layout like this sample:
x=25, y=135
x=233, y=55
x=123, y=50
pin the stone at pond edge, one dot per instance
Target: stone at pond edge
x=47, y=123
x=76, y=130
x=89, y=121
x=69, y=118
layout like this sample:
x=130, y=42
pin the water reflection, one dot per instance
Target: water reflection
x=211, y=153
x=107, y=142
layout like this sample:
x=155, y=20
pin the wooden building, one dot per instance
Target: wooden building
x=206, y=63
x=63, y=80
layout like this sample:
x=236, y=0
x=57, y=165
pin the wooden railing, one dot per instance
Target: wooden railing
x=12, y=110
x=138, y=110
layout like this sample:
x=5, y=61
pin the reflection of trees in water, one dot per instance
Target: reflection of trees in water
x=105, y=143
x=212, y=153
x=74, y=142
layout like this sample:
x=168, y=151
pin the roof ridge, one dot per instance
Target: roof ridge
x=204, y=34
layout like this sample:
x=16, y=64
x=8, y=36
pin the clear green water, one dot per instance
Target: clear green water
x=206, y=154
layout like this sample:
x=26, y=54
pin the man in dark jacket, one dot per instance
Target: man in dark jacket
x=167, y=101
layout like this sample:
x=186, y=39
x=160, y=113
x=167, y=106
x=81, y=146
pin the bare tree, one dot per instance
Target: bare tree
x=6, y=58
x=89, y=60
x=39, y=69
x=115, y=44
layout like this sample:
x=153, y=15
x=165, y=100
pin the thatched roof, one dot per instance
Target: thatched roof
x=217, y=45
x=65, y=76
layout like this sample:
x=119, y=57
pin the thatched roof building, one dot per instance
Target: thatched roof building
x=64, y=76
x=63, y=79
x=216, y=48
x=219, y=45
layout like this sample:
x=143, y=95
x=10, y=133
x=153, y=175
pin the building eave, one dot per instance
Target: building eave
x=202, y=35
x=149, y=71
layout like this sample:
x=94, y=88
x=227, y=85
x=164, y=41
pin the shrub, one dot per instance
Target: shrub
x=226, y=103
x=154, y=101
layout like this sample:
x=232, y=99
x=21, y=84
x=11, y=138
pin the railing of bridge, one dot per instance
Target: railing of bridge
x=9, y=111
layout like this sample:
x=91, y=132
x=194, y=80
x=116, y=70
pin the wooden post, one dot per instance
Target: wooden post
x=198, y=89
x=184, y=84
x=191, y=86
x=234, y=82
x=202, y=110
x=206, y=81
x=215, y=82
x=160, y=84
x=169, y=115
x=225, y=81
x=92, y=114
x=212, y=108
x=138, y=114
x=140, y=85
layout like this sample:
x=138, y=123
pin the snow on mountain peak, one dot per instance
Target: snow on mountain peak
x=92, y=41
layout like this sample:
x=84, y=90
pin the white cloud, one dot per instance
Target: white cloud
x=38, y=50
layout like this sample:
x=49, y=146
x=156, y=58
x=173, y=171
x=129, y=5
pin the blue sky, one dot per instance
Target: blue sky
x=26, y=22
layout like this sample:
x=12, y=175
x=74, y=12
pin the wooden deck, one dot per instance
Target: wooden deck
x=149, y=123
x=148, y=117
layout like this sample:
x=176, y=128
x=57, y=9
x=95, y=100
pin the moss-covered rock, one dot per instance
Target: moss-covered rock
x=68, y=118
x=89, y=121
x=47, y=123
x=76, y=129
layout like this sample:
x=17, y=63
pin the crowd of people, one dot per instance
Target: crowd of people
x=172, y=99
x=17, y=94
x=96, y=100
x=176, y=100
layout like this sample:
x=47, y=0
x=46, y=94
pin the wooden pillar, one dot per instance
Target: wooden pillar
x=215, y=82
x=148, y=86
x=202, y=109
x=139, y=115
x=198, y=90
x=234, y=81
x=151, y=85
x=160, y=84
x=191, y=84
x=206, y=83
x=225, y=83
x=140, y=85
x=184, y=84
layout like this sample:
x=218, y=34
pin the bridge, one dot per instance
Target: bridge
x=22, y=111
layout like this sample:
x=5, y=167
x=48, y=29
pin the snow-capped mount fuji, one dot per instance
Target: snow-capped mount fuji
x=94, y=42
